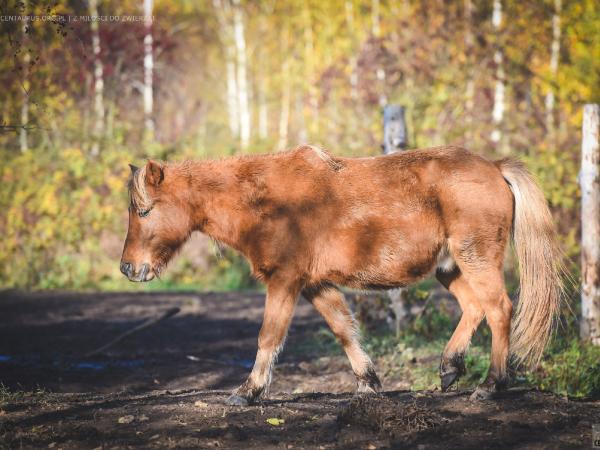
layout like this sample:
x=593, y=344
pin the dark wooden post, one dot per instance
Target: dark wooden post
x=395, y=139
x=589, y=179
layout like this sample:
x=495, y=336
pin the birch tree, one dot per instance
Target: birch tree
x=223, y=12
x=499, y=89
x=148, y=69
x=242, y=80
x=98, y=126
x=470, y=83
x=589, y=179
x=310, y=69
x=284, y=115
x=25, y=87
x=349, y=8
x=554, y=60
x=263, y=111
x=379, y=71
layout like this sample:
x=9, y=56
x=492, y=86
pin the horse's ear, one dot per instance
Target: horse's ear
x=154, y=173
x=133, y=169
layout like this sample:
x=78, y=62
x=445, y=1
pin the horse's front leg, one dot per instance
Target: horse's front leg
x=279, y=309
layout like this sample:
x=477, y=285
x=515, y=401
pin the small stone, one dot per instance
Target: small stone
x=126, y=419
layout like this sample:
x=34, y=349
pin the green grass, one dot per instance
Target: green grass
x=570, y=366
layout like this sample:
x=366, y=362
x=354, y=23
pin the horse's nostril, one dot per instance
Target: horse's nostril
x=126, y=269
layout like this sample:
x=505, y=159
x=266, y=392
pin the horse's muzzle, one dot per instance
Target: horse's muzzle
x=144, y=274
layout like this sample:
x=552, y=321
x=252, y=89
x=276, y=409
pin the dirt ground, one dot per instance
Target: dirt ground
x=165, y=386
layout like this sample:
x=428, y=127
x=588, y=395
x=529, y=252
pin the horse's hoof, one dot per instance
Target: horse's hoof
x=481, y=393
x=237, y=400
x=366, y=389
x=368, y=383
x=448, y=379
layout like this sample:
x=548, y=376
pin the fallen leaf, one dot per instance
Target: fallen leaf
x=143, y=418
x=275, y=421
x=126, y=419
x=200, y=404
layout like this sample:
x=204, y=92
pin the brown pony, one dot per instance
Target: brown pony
x=308, y=221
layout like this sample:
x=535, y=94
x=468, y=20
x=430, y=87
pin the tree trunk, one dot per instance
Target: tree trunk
x=379, y=70
x=25, y=88
x=98, y=127
x=349, y=7
x=222, y=12
x=554, y=60
x=263, y=112
x=284, y=116
x=590, y=225
x=470, y=83
x=499, y=90
x=311, y=114
x=242, y=81
x=148, y=70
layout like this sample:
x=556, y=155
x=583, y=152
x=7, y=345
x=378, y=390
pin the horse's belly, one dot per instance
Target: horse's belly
x=386, y=260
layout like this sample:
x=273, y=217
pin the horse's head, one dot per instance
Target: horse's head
x=159, y=221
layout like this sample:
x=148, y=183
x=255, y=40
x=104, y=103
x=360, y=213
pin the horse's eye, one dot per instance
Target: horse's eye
x=144, y=213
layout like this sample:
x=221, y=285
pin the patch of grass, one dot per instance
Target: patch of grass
x=7, y=396
x=572, y=369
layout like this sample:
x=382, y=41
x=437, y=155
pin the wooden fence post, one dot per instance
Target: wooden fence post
x=589, y=179
x=395, y=137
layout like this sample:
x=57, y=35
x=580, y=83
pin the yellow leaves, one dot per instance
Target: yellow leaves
x=275, y=421
x=48, y=204
x=116, y=183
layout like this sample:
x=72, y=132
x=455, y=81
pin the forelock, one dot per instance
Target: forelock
x=138, y=194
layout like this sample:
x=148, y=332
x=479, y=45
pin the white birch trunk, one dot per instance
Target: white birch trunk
x=379, y=71
x=302, y=132
x=590, y=225
x=470, y=84
x=148, y=70
x=310, y=114
x=284, y=116
x=242, y=80
x=25, y=94
x=554, y=60
x=222, y=11
x=263, y=111
x=98, y=80
x=499, y=89
x=349, y=8
x=232, y=97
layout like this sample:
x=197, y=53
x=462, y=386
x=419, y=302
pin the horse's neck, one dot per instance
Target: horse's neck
x=227, y=215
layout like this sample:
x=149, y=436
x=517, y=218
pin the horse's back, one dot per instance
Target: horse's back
x=394, y=215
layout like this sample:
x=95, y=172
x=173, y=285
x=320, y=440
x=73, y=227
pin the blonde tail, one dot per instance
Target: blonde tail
x=540, y=266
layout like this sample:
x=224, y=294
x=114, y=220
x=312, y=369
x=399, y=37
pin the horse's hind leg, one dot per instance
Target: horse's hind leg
x=487, y=282
x=330, y=303
x=498, y=314
x=452, y=364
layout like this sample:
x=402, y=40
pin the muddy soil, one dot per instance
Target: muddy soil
x=165, y=386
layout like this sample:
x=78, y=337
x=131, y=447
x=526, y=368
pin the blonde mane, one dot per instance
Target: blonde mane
x=138, y=194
